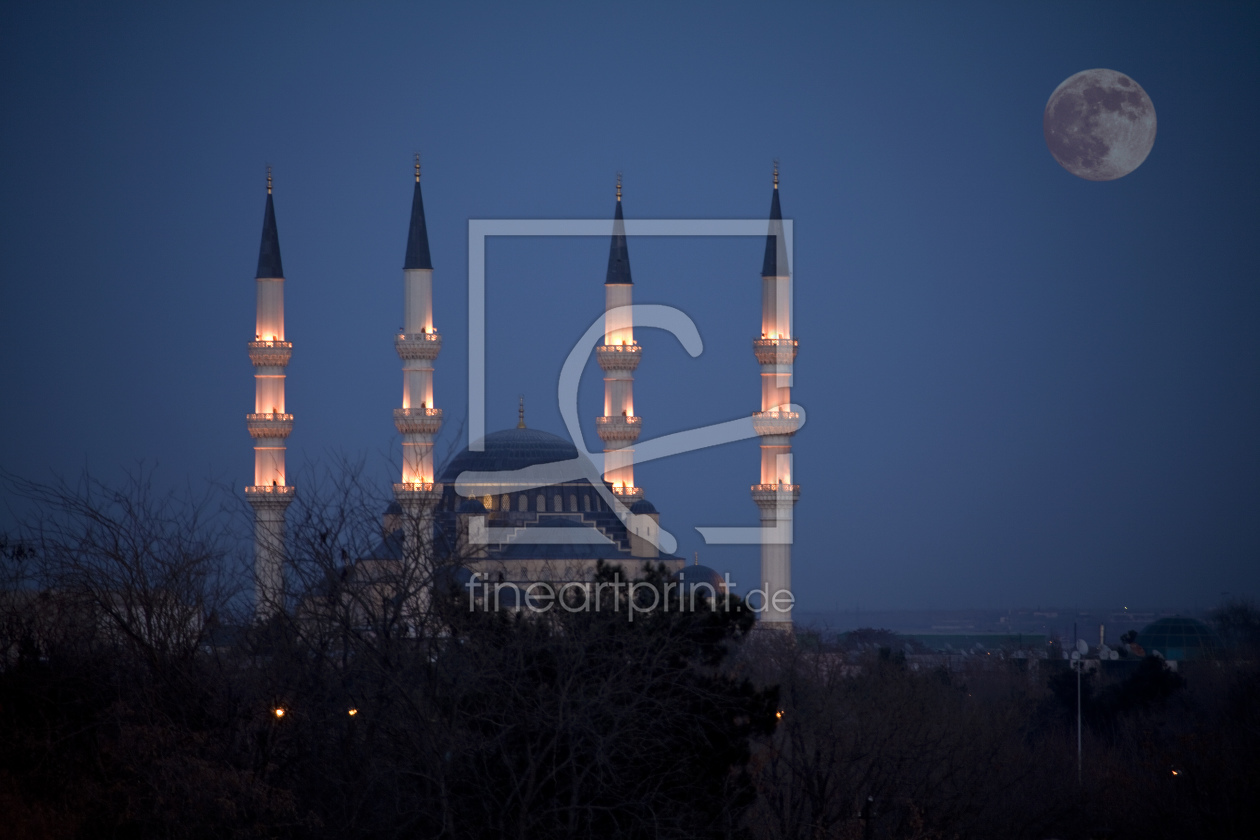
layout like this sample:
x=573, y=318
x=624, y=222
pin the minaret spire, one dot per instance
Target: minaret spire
x=618, y=254
x=269, y=264
x=775, y=424
x=417, y=231
x=520, y=414
x=269, y=424
x=775, y=261
x=618, y=357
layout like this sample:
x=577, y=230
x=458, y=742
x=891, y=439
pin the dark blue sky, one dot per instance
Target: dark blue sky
x=1022, y=387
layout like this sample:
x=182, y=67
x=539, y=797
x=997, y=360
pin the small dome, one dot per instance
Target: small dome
x=643, y=506
x=471, y=506
x=1180, y=638
x=697, y=576
x=394, y=507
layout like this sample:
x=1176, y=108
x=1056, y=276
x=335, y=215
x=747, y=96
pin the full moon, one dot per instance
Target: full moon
x=1099, y=125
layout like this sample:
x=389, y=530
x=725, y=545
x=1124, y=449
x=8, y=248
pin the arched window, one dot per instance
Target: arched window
x=540, y=504
x=522, y=504
x=586, y=501
x=557, y=504
x=506, y=502
x=488, y=501
x=572, y=503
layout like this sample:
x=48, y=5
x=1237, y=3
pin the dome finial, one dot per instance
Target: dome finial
x=697, y=556
x=417, y=167
x=618, y=187
x=520, y=414
x=268, y=180
x=776, y=173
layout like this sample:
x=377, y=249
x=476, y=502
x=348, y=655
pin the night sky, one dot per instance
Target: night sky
x=1023, y=388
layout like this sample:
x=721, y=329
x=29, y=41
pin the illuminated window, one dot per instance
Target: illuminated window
x=488, y=502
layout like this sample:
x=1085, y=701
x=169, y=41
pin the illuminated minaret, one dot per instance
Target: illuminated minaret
x=269, y=425
x=776, y=495
x=418, y=345
x=618, y=357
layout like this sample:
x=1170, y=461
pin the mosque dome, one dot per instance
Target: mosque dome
x=510, y=449
x=471, y=506
x=1180, y=638
x=689, y=578
x=643, y=506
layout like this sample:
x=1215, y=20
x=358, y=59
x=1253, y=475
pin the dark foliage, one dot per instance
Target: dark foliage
x=352, y=714
x=1237, y=622
x=365, y=711
x=1150, y=685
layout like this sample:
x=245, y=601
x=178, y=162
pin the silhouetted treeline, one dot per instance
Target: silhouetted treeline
x=988, y=749
x=136, y=701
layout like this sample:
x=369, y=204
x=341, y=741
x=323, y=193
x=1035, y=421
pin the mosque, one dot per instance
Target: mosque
x=503, y=525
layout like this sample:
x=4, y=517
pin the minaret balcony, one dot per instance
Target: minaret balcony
x=270, y=494
x=627, y=495
x=271, y=425
x=421, y=345
x=418, y=421
x=270, y=353
x=775, y=495
x=776, y=422
x=775, y=351
x=618, y=428
x=416, y=495
x=618, y=356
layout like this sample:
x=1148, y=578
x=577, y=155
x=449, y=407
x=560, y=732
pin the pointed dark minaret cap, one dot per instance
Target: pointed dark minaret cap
x=776, y=247
x=618, y=254
x=269, y=251
x=417, y=232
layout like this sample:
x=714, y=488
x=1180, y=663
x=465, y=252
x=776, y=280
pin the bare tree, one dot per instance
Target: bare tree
x=142, y=567
x=118, y=716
